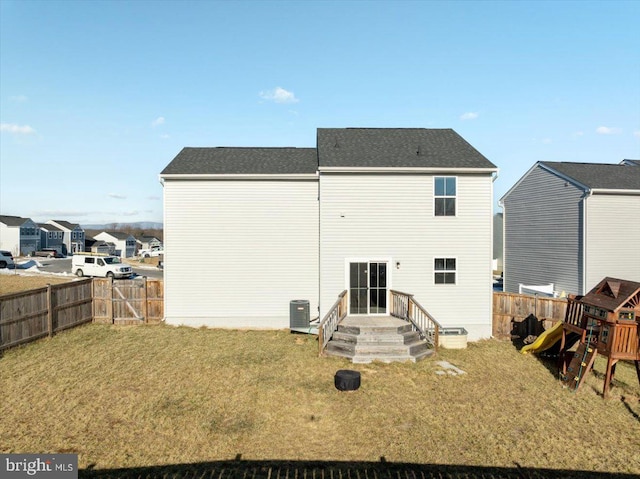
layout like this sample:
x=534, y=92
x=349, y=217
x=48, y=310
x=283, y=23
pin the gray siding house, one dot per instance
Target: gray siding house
x=51, y=237
x=20, y=236
x=74, y=236
x=367, y=211
x=570, y=225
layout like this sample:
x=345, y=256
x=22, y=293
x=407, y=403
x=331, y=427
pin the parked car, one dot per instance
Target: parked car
x=153, y=251
x=48, y=253
x=95, y=264
x=6, y=259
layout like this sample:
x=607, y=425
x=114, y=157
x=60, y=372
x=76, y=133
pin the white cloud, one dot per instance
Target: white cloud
x=279, y=95
x=117, y=196
x=605, y=130
x=158, y=121
x=154, y=197
x=470, y=115
x=579, y=133
x=547, y=141
x=19, y=98
x=130, y=213
x=636, y=133
x=164, y=136
x=16, y=129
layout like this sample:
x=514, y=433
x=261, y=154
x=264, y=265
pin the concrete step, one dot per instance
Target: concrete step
x=364, y=340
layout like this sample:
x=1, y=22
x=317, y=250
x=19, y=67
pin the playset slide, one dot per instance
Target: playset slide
x=547, y=339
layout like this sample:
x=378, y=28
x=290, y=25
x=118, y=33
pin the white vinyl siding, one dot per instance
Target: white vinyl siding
x=612, y=238
x=542, y=233
x=391, y=216
x=237, y=252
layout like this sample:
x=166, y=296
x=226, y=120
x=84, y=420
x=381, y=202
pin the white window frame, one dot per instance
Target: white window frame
x=445, y=270
x=444, y=196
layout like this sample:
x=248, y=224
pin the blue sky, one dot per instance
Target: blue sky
x=96, y=98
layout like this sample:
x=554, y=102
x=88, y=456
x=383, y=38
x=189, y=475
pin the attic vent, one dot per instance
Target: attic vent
x=418, y=151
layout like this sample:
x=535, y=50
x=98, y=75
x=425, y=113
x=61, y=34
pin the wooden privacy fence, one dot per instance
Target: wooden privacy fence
x=34, y=314
x=130, y=301
x=30, y=315
x=508, y=307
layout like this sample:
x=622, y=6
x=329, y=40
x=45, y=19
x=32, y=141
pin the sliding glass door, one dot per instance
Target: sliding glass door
x=368, y=288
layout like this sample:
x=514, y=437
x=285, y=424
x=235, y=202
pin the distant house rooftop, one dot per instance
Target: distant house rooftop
x=13, y=220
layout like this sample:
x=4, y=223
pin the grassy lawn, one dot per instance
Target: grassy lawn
x=151, y=395
x=13, y=282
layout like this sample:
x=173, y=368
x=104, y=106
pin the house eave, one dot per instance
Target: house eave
x=405, y=170
x=612, y=191
x=191, y=177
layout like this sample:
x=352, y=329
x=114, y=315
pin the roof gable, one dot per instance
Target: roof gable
x=243, y=161
x=396, y=148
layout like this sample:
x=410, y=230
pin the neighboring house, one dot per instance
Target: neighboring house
x=92, y=245
x=367, y=211
x=20, y=236
x=630, y=162
x=498, y=225
x=570, y=225
x=73, y=236
x=125, y=244
x=51, y=237
x=147, y=242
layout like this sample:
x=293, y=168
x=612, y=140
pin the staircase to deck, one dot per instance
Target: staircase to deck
x=364, y=339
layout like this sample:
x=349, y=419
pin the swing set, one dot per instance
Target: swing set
x=607, y=320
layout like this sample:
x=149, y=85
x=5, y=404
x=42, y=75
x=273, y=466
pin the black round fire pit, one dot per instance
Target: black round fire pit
x=347, y=380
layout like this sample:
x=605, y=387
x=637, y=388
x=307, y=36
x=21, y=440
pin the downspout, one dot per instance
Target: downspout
x=584, y=240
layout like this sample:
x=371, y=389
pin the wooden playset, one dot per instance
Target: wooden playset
x=607, y=319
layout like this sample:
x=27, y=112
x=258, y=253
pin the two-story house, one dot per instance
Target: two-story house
x=147, y=242
x=51, y=237
x=73, y=236
x=20, y=236
x=125, y=243
x=571, y=224
x=368, y=210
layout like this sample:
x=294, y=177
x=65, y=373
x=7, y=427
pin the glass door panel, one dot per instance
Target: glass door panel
x=368, y=288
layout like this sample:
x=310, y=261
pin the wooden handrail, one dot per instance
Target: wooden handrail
x=330, y=322
x=404, y=306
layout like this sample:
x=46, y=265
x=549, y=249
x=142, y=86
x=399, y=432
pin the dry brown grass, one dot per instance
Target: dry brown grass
x=136, y=261
x=149, y=395
x=15, y=282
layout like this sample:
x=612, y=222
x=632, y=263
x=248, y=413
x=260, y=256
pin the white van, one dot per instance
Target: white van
x=95, y=264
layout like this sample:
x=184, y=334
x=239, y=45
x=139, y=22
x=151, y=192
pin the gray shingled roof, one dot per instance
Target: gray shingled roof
x=13, y=220
x=599, y=175
x=66, y=224
x=48, y=227
x=118, y=235
x=397, y=147
x=243, y=161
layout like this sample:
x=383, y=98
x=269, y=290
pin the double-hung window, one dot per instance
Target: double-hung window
x=444, y=188
x=444, y=270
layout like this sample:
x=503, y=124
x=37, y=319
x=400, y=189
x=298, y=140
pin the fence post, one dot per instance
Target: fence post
x=49, y=311
x=144, y=301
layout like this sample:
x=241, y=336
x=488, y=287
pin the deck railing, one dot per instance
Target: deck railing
x=404, y=306
x=329, y=323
